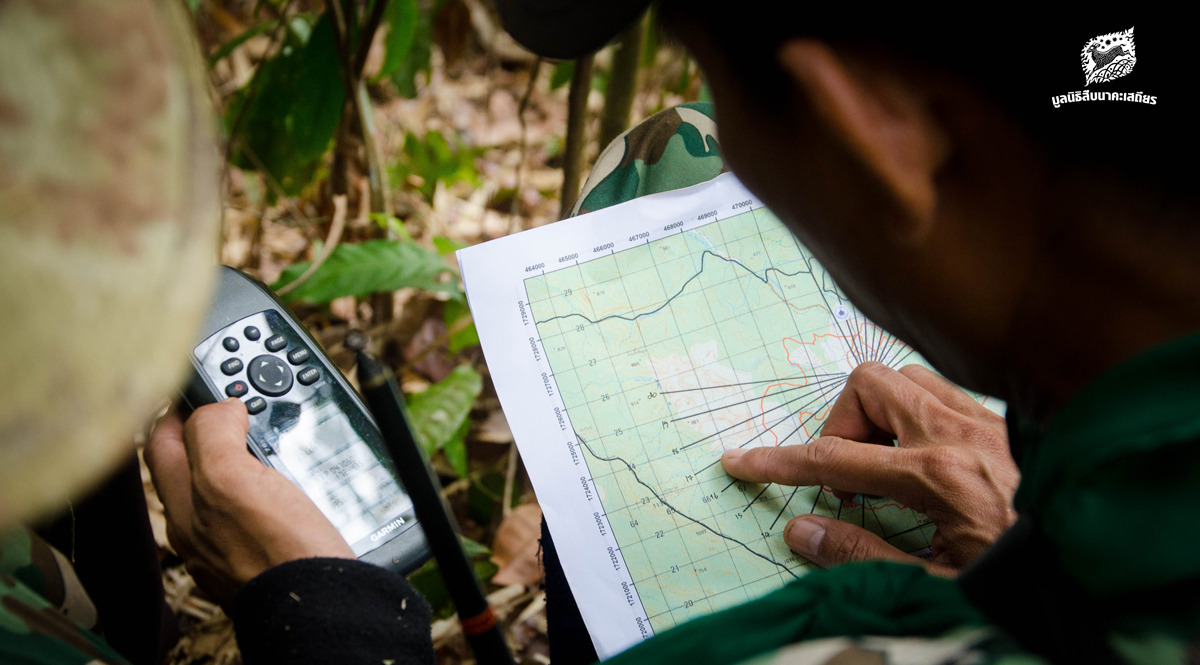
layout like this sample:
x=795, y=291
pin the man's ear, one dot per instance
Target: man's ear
x=881, y=121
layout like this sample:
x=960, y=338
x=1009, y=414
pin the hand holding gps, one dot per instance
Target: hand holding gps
x=309, y=424
x=305, y=420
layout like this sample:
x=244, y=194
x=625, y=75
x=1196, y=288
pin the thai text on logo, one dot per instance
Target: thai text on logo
x=1105, y=58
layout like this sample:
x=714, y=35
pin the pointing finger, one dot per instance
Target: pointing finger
x=848, y=466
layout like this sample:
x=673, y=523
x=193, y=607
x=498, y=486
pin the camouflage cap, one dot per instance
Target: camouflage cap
x=567, y=29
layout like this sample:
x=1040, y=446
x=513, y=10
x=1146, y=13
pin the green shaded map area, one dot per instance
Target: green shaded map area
x=728, y=335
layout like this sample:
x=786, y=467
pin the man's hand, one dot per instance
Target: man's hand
x=228, y=516
x=952, y=463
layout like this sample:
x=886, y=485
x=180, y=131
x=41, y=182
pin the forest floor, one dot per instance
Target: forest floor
x=502, y=174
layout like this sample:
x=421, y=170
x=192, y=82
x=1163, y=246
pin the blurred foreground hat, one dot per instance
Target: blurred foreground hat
x=567, y=29
x=109, y=206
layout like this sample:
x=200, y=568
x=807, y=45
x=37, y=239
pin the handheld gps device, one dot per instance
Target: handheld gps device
x=305, y=420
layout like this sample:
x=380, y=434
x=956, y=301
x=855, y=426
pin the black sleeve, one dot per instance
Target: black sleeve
x=320, y=611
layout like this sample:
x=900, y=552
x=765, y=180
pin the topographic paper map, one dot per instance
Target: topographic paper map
x=630, y=347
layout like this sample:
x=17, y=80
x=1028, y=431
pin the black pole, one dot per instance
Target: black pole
x=383, y=398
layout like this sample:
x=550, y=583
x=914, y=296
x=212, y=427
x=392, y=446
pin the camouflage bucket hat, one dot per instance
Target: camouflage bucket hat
x=108, y=217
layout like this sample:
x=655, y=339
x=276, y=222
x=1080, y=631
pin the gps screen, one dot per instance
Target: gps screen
x=324, y=453
x=316, y=435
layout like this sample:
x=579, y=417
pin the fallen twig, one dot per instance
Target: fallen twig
x=331, y=241
x=533, y=77
x=510, y=479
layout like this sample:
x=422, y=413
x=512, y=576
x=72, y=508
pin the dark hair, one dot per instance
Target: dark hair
x=1141, y=126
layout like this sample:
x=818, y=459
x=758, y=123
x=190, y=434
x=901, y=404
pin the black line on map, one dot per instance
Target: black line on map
x=777, y=424
x=908, y=530
x=756, y=496
x=738, y=424
x=897, y=361
x=882, y=531
x=821, y=292
x=785, y=505
x=814, y=385
x=791, y=415
x=705, y=253
x=750, y=383
x=820, y=495
x=805, y=421
x=641, y=482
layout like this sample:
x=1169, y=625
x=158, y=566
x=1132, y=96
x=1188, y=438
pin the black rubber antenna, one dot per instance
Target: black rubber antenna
x=383, y=398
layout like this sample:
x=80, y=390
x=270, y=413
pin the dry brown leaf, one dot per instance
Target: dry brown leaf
x=495, y=429
x=515, y=549
x=432, y=362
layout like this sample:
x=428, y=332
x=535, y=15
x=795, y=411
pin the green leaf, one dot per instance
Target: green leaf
x=485, y=570
x=291, y=108
x=600, y=79
x=402, y=17
x=369, y=267
x=228, y=46
x=453, y=311
x=563, y=72
x=474, y=549
x=685, y=77
x=417, y=58
x=456, y=450
x=464, y=339
x=485, y=496
x=434, y=158
x=438, y=413
x=650, y=38
x=392, y=224
x=446, y=246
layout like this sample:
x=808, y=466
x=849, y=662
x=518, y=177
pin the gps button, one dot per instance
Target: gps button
x=298, y=355
x=255, y=405
x=251, y=333
x=236, y=389
x=230, y=344
x=231, y=366
x=308, y=376
x=270, y=375
x=275, y=343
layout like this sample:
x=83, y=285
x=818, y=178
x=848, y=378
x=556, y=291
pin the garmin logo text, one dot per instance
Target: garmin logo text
x=388, y=528
x=1105, y=58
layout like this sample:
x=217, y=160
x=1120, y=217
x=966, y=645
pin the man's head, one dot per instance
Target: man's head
x=928, y=167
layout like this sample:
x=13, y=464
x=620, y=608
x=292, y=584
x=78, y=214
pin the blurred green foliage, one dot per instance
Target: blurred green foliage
x=439, y=414
x=403, y=17
x=417, y=52
x=284, y=119
x=434, y=159
x=369, y=267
